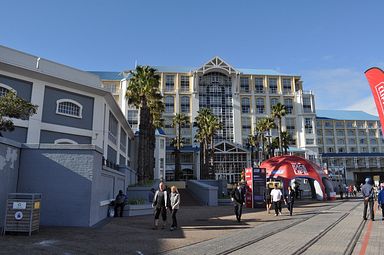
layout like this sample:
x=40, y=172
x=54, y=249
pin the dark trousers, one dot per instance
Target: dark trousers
x=121, y=206
x=238, y=211
x=174, y=220
x=163, y=212
x=370, y=204
x=290, y=207
x=277, y=206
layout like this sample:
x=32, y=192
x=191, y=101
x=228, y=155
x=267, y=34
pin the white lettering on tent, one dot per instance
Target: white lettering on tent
x=380, y=94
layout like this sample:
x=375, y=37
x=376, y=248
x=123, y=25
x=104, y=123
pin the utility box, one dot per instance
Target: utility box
x=22, y=212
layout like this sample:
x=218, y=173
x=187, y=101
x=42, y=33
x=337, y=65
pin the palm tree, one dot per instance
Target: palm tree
x=178, y=122
x=254, y=143
x=285, y=141
x=260, y=128
x=278, y=111
x=143, y=93
x=269, y=125
x=208, y=125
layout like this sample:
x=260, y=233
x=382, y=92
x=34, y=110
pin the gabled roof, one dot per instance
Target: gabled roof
x=218, y=64
x=344, y=115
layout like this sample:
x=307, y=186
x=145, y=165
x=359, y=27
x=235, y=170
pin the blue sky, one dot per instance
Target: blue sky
x=329, y=43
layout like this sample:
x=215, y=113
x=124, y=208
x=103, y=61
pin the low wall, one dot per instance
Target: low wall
x=205, y=193
x=75, y=188
x=9, y=170
x=220, y=184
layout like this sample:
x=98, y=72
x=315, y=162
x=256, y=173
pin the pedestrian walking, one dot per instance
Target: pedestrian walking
x=354, y=190
x=290, y=199
x=341, y=191
x=368, y=195
x=120, y=203
x=380, y=199
x=238, y=199
x=276, y=196
x=267, y=198
x=160, y=203
x=175, y=203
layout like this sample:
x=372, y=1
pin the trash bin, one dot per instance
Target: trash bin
x=22, y=212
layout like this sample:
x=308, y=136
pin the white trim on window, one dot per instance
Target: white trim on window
x=58, y=102
x=8, y=88
x=64, y=141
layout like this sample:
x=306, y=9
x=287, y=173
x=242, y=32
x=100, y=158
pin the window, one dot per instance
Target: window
x=290, y=124
x=330, y=149
x=340, y=141
x=352, y=149
x=339, y=124
x=69, y=108
x=340, y=132
x=112, y=128
x=308, y=125
x=162, y=144
x=274, y=102
x=259, y=85
x=362, y=141
x=272, y=85
x=287, y=86
x=246, y=125
x=184, y=84
x=4, y=89
x=329, y=141
x=133, y=117
x=372, y=132
x=162, y=163
x=288, y=102
x=341, y=149
x=351, y=132
x=169, y=104
x=349, y=124
x=244, y=84
x=307, y=105
x=329, y=132
x=260, y=105
x=169, y=83
x=168, y=123
x=309, y=141
x=319, y=141
x=245, y=105
x=328, y=124
x=373, y=141
x=351, y=141
x=123, y=140
x=111, y=87
x=185, y=107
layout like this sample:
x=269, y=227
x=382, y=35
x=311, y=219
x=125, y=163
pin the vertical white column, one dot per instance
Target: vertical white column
x=236, y=111
x=98, y=121
x=34, y=123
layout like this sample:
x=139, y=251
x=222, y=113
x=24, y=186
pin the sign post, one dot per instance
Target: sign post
x=256, y=186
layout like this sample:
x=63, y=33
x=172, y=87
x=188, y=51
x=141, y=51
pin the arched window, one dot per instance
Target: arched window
x=65, y=141
x=260, y=105
x=169, y=104
x=245, y=105
x=274, y=102
x=69, y=108
x=185, y=107
x=4, y=89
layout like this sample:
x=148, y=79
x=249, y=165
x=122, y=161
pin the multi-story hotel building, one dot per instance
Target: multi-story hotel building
x=350, y=144
x=239, y=97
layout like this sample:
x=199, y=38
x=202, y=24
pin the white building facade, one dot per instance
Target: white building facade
x=73, y=108
x=239, y=97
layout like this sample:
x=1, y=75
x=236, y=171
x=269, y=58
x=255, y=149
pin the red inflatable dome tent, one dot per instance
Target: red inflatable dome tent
x=288, y=168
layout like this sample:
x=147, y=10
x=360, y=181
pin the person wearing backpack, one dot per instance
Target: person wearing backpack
x=120, y=203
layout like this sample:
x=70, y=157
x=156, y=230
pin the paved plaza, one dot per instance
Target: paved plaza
x=315, y=228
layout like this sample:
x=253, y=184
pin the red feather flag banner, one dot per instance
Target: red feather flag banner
x=375, y=77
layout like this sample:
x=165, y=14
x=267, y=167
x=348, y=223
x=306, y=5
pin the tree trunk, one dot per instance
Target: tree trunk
x=143, y=145
x=280, y=144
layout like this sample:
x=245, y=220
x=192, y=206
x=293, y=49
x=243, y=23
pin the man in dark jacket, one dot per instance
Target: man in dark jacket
x=368, y=195
x=120, y=203
x=238, y=199
x=290, y=199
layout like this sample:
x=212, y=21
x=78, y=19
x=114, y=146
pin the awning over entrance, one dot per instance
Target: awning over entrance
x=292, y=167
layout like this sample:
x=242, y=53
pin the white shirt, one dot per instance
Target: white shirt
x=276, y=195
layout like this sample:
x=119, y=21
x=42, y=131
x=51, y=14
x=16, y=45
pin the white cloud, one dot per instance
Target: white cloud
x=336, y=88
x=367, y=105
